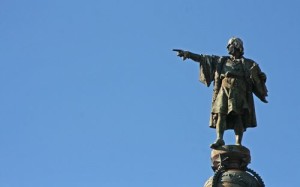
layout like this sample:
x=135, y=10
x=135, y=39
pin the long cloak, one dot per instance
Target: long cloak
x=210, y=70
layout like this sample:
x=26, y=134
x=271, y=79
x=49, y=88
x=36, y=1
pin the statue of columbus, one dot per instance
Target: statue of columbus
x=235, y=79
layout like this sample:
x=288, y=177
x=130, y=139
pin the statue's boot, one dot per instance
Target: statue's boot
x=217, y=143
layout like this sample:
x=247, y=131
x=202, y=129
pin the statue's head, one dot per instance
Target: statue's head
x=234, y=45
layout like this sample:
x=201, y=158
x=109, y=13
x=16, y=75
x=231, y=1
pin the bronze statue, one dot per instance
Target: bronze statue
x=235, y=78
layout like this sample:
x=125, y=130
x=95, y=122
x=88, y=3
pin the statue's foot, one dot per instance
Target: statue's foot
x=217, y=144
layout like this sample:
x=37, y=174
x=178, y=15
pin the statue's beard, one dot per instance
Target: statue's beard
x=234, y=52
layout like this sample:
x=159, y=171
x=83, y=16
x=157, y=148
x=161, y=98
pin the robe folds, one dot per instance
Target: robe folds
x=212, y=70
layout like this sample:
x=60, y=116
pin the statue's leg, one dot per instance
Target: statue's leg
x=220, y=128
x=238, y=130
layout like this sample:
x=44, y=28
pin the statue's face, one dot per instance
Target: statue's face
x=235, y=47
x=231, y=49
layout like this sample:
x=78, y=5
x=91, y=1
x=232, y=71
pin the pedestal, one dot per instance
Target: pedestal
x=230, y=166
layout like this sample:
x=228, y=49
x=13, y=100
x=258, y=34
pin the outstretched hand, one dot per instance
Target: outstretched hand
x=181, y=53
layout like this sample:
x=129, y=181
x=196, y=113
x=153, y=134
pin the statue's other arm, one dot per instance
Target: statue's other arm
x=259, y=79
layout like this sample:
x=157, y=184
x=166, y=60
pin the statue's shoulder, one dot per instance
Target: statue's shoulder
x=249, y=62
x=223, y=59
x=220, y=62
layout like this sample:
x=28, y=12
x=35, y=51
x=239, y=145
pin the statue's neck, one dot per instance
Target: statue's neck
x=235, y=57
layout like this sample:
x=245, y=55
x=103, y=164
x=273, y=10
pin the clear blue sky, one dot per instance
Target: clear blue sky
x=92, y=95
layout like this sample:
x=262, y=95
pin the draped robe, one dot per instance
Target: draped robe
x=212, y=70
